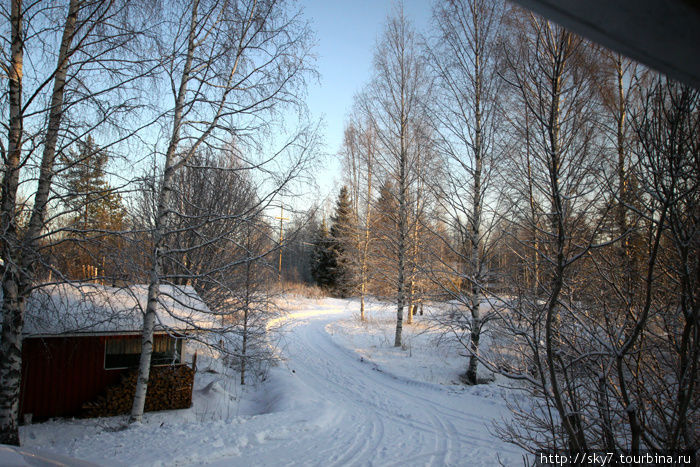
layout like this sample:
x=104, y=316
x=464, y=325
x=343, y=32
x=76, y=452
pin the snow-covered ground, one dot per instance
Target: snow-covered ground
x=342, y=395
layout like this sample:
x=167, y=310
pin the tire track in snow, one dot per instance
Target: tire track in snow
x=361, y=415
x=352, y=391
x=398, y=385
x=354, y=437
x=444, y=410
x=453, y=409
x=320, y=343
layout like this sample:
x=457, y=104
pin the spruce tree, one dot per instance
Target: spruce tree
x=95, y=213
x=93, y=202
x=342, y=235
x=323, y=261
x=384, y=253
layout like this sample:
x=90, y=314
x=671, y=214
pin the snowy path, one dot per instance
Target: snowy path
x=323, y=406
x=354, y=414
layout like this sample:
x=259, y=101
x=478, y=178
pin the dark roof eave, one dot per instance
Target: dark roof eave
x=662, y=34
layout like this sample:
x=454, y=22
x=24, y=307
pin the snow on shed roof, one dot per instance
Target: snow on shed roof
x=91, y=308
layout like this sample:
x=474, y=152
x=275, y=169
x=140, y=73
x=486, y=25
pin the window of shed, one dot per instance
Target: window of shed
x=126, y=353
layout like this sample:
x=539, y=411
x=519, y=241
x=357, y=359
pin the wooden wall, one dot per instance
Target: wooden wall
x=61, y=374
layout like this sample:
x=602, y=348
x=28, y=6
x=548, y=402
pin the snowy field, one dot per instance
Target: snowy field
x=341, y=395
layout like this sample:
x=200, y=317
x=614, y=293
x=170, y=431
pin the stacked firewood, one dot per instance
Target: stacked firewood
x=169, y=387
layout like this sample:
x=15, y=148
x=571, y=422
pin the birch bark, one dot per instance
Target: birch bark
x=19, y=254
x=159, y=228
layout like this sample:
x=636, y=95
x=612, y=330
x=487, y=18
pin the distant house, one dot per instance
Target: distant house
x=82, y=345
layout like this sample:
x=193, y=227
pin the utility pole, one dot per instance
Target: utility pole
x=282, y=219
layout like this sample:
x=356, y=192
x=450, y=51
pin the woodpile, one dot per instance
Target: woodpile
x=169, y=387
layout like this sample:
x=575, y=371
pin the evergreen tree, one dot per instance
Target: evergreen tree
x=323, y=261
x=384, y=254
x=93, y=203
x=342, y=235
x=94, y=214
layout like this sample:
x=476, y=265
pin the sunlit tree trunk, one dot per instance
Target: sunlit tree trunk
x=475, y=230
x=159, y=229
x=368, y=222
x=19, y=255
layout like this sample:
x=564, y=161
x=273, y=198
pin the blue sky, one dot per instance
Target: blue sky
x=346, y=35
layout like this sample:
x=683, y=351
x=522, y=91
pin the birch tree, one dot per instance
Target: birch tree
x=462, y=55
x=394, y=104
x=63, y=45
x=230, y=67
x=658, y=396
x=359, y=147
x=219, y=241
x=625, y=385
x=549, y=70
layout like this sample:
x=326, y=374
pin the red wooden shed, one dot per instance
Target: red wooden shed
x=80, y=340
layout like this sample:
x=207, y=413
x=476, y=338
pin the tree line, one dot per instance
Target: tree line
x=545, y=192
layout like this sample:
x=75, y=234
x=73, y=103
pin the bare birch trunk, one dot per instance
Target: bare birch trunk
x=19, y=259
x=624, y=196
x=401, y=278
x=244, y=345
x=13, y=299
x=475, y=297
x=411, y=287
x=570, y=422
x=159, y=231
x=246, y=306
x=368, y=220
x=475, y=234
x=414, y=247
x=403, y=175
x=394, y=104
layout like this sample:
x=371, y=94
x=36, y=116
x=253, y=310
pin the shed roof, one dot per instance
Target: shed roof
x=89, y=308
